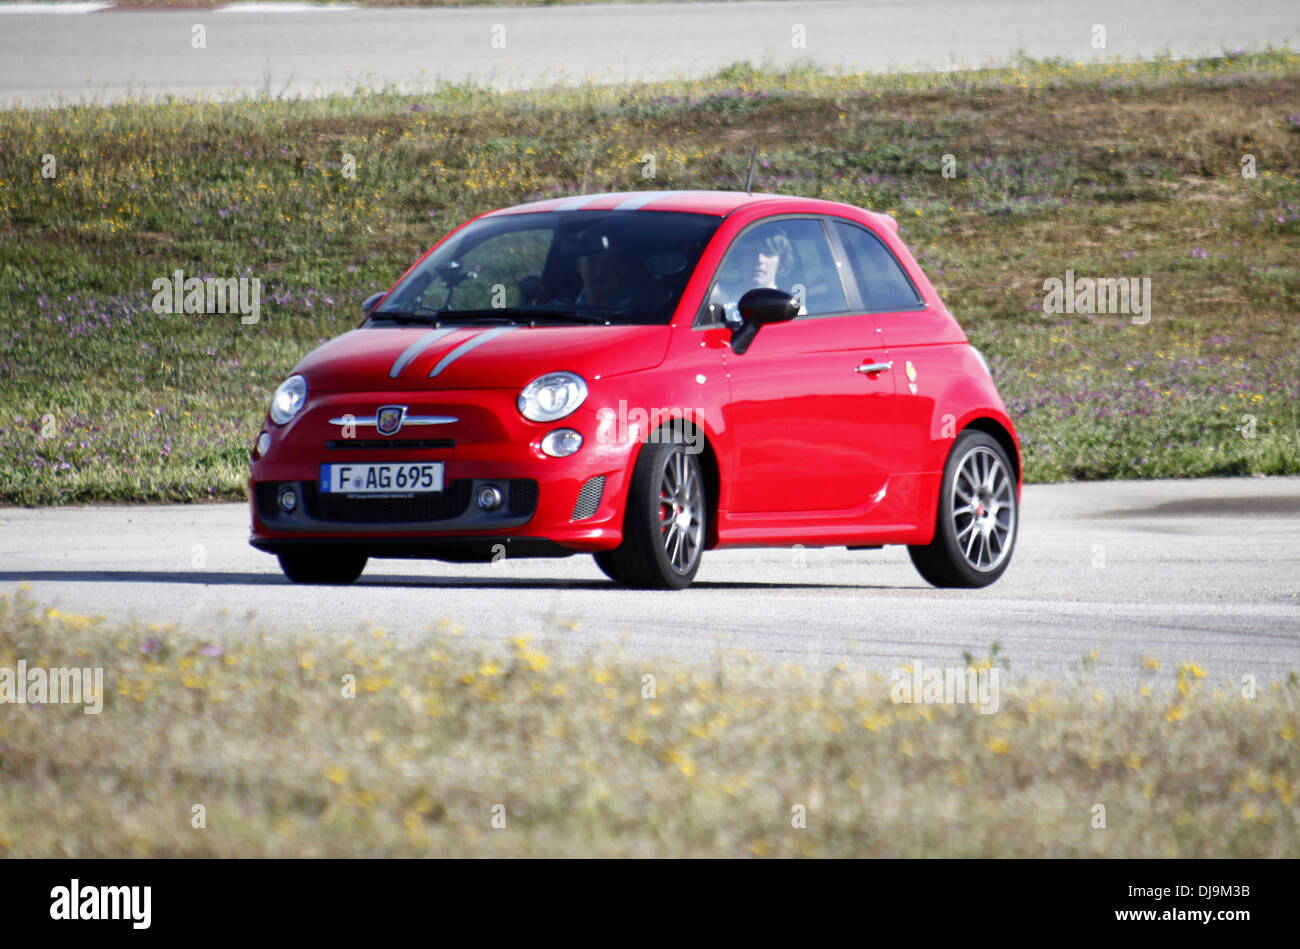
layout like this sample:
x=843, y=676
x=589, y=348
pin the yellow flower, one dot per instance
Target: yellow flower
x=337, y=774
x=684, y=763
x=636, y=735
x=999, y=746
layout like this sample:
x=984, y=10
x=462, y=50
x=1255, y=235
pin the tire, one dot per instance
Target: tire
x=665, y=521
x=335, y=567
x=978, y=516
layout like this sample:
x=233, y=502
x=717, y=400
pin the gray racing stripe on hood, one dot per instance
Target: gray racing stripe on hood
x=417, y=347
x=469, y=344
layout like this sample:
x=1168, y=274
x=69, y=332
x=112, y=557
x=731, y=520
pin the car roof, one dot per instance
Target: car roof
x=720, y=203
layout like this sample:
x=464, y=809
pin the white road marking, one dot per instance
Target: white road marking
x=284, y=8
x=54, y=8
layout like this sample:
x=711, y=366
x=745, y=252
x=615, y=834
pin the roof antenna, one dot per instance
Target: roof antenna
x=753, y=160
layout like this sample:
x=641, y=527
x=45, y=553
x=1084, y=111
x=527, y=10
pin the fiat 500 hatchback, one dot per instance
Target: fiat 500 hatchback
x=644, y=377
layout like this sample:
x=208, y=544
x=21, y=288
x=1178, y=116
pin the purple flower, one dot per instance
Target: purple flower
x=150, y=645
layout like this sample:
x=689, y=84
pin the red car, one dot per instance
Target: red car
x=643, y=377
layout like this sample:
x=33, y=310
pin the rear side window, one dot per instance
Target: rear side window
x=883, y=283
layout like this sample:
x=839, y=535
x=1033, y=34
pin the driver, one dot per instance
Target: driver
x=757, y=260
x=601, y=265
x=612, y=275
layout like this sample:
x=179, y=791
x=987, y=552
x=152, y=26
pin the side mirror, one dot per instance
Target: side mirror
x=370, y=302
x=757, y=308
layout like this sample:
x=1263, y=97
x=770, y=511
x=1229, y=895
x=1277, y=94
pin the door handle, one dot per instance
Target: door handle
x=871, y=368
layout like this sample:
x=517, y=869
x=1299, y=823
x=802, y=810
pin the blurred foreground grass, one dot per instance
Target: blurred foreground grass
x=257, y=730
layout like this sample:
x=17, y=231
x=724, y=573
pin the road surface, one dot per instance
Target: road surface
x=1204, y=571
x=116, y=54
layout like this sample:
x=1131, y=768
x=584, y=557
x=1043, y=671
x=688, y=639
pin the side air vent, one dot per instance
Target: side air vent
x=589, y=498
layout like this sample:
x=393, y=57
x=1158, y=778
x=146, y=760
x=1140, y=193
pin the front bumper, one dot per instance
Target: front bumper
x=551, y=506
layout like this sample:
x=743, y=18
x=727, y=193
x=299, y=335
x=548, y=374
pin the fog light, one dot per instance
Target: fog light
x=288, y=500
x=489, y=497
x=263, y=443
x=561, y=442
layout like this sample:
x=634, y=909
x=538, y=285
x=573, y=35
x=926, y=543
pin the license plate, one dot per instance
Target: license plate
x=390, y=478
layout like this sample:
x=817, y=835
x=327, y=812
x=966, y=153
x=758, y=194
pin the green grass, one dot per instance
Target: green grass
x=584, y=761
x=1109, y=170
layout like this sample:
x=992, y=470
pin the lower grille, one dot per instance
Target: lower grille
x=360, y=510
x=523, y=496
x=265, y=494
x=589, y=498
x=372, y=444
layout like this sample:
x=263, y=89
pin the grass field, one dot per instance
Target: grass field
x=1106, y=170
x=584, y=760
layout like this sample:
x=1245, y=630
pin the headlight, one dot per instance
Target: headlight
x=288, y=399
x=552, y=396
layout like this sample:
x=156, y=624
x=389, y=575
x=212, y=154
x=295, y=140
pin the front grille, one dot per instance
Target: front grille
x=362, y=510
x=589, y=498
x=370, y=444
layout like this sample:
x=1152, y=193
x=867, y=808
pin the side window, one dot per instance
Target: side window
x=881, y=279
x=790, y=254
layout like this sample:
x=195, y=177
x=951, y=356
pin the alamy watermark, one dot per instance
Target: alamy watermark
x=131, y=903
x=58, y=686
x=948, y=685
x=1127, y=295
x=181, y=294
x=650, y=426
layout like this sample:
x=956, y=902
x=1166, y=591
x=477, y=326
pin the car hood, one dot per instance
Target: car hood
x=477, y=357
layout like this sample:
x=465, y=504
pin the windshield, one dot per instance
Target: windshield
x=565, y=266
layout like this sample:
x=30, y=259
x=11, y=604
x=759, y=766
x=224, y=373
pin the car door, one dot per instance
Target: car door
x=810, y=399
x=921, y=342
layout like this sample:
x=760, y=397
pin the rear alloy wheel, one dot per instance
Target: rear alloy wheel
x=664, y=524
x=975, y=530
x=336, y=567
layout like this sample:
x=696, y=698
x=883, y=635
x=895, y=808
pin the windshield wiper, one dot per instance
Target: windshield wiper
x=517, y=314
x=399, y=317
x=504, y=314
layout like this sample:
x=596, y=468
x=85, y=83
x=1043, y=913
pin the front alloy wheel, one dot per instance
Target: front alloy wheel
x=665, y=521
x=975, y=529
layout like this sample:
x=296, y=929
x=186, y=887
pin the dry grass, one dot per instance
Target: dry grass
x=257, y=730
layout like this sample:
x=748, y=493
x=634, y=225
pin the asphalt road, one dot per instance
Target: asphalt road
x=1203, y=571
x=112, y=55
